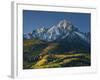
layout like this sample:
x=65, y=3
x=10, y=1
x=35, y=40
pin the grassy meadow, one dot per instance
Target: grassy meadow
x=40, y=54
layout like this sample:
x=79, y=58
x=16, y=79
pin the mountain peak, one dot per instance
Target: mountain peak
x=64, y=24
x=42, y=29
x=63, y=30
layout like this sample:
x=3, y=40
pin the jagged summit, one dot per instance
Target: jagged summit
x=64, y=24
x=63, y=30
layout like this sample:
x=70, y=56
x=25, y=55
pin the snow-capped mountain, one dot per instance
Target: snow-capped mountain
x=63, y=30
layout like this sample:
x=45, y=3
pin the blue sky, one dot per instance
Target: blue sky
x=36, y=19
